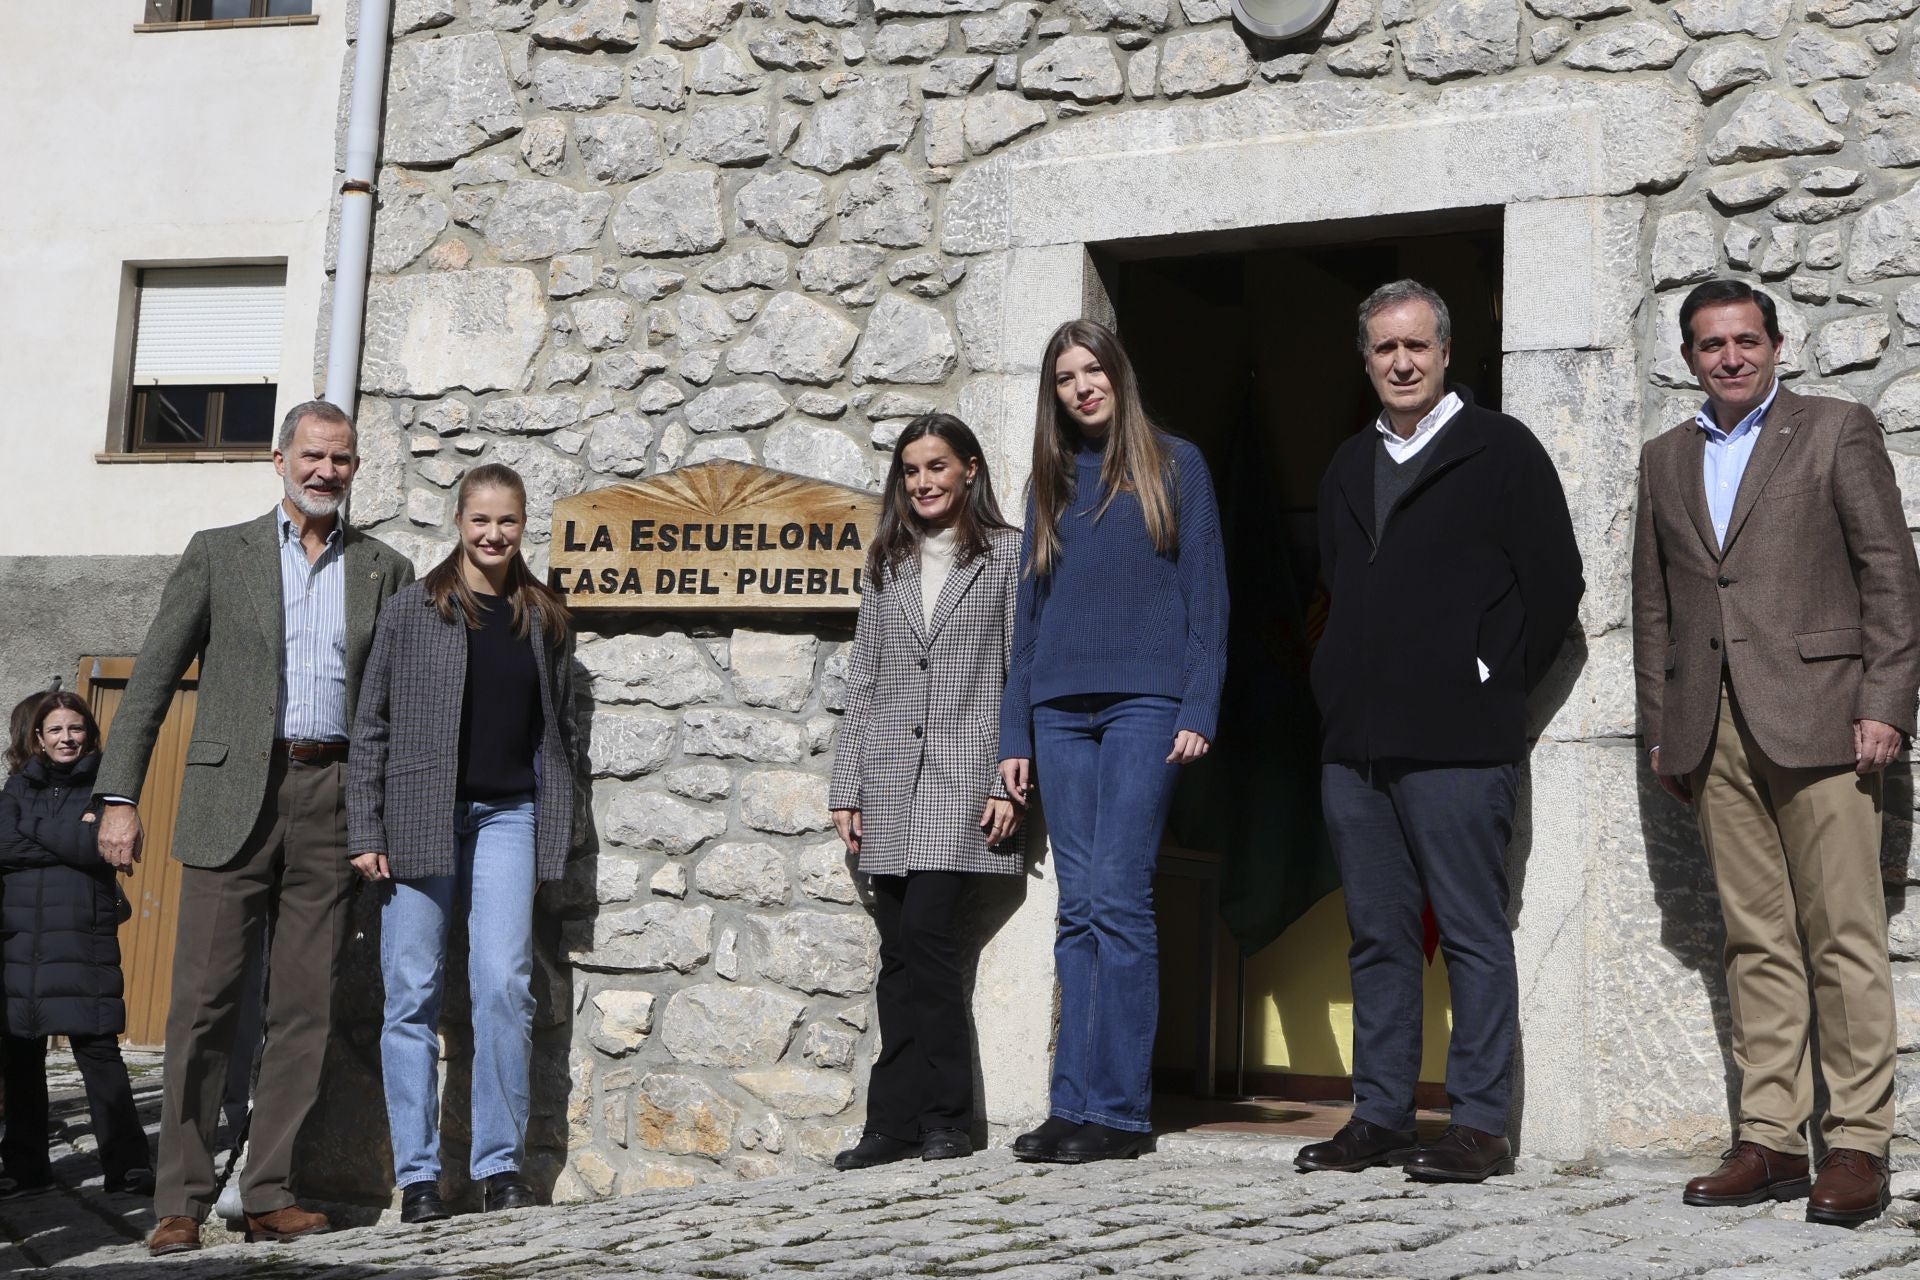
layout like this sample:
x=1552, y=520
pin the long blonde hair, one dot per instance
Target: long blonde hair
x=446, y=586
x=1136, y=459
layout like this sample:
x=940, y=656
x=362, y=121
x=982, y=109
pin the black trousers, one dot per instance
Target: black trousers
x=116, y=1122
x=923, y=1078
x=1405, y=835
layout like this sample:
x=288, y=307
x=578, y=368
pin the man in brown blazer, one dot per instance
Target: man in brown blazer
x=1776, y=612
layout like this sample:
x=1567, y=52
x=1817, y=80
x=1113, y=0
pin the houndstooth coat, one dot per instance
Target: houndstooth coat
x=919, y=750
x=402, y=770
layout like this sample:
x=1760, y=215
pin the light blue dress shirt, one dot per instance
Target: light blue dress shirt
x=313, y=665
x=1726, y=459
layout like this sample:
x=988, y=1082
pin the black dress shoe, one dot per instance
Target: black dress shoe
x=1040, y=1144
x=421, y=1202
x=1461, y=1155
x=1098, y=1142
x=945, y=1144
x=507, y=1191
x=875, y=1149
x=1358, y=1145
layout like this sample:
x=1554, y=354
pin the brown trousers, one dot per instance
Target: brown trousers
x=293, y=870
x=1796, y=856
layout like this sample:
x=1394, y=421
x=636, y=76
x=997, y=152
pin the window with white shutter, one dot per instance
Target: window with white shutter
x=206, y=357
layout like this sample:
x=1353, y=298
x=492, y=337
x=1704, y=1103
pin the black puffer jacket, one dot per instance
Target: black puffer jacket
x=59, y=909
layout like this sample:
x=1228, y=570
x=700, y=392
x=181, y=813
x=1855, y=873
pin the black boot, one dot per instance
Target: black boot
x=421, y=1202
x=506, y=1191
x=945, y=1144
x=1040, y=1144
x=1098, y=1142
x=874, y=1149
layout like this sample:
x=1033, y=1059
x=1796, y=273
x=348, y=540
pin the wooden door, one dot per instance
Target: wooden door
x=146, y=939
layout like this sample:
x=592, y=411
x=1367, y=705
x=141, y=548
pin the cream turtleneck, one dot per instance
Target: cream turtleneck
x=936, y=562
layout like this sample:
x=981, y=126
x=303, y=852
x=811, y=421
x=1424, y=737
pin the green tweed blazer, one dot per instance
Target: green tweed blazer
x=223, y=606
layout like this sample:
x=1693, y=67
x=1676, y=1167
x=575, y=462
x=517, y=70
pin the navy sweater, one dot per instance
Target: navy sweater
x=1115, y=616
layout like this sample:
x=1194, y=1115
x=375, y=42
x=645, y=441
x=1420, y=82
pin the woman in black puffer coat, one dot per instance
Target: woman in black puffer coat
x=59, y=924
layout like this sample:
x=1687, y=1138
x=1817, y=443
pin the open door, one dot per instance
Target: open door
x=146, y=939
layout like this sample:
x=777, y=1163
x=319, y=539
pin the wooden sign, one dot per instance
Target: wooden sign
x=717, y=535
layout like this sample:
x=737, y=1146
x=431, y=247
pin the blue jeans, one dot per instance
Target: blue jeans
x=1101, y=764
x=494, y=884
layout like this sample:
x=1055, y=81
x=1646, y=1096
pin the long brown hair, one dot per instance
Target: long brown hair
x=1136, y=453
x=901, y=528
x=32, y=712
x=446, y=585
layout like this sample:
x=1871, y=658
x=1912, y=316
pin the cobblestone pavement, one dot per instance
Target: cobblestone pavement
x=1201, y=1207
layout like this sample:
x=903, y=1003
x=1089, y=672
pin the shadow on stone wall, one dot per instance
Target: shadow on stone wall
x=1543, y=704
x=1689, y=905
x=992, y=902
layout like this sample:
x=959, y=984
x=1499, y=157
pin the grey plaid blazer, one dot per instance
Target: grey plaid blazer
x=919, y=751
x=403, y=766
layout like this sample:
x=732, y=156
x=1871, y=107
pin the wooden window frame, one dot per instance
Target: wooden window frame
x=127, y=409
x=166, y=15
x=216, y=416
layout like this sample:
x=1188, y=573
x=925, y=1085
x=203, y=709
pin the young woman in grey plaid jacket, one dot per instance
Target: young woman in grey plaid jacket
x=915, y=792
x=460, y=793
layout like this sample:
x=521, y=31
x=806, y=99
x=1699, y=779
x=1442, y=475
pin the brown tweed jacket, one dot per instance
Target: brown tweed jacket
x=1813, y=607
x=403, y=770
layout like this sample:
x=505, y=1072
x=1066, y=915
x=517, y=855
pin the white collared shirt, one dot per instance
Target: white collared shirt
x=1424, y=431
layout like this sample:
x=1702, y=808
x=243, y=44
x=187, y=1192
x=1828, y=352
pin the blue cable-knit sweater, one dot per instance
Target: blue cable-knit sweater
x=1115, y=616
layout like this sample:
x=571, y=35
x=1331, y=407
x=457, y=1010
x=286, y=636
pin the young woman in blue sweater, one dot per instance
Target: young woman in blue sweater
x=1119, y=650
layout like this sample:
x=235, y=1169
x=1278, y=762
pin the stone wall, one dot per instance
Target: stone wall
x=619, y=236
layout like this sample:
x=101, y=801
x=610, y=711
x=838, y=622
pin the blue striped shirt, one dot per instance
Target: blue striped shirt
x=1726, y=459
x=313, y=667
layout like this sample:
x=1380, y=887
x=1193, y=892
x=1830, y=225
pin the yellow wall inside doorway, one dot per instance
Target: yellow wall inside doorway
x=1300, y=1002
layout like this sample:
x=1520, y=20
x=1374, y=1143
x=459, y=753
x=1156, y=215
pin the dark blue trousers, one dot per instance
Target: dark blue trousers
x=1404, y=835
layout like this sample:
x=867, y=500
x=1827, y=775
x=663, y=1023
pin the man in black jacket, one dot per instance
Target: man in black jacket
x=1449, y=556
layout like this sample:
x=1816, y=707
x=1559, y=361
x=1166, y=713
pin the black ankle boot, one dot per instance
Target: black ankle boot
x=506, y=1191
x=1098, y=1142
x=421, y=1202
x=945, y=1144
x=1040, y=1144
x=875, y=1149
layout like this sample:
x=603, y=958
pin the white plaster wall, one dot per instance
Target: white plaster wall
x=145, y=148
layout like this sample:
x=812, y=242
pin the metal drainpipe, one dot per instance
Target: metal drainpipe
x=356, y=204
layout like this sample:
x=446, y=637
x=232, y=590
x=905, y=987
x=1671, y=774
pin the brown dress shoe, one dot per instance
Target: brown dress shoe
x=285, y=1224
x=1852, y=1189
x=1748, y=1174
x=177, y=1234
x=1461, y=1154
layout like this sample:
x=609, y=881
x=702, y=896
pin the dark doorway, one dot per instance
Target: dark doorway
x=1247, y=347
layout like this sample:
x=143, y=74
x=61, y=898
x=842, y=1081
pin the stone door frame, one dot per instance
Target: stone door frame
x=1563, y=166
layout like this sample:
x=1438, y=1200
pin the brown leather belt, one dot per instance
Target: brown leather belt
x=307, y=751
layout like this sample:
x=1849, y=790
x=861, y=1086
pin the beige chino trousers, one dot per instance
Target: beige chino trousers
x=1796, y=856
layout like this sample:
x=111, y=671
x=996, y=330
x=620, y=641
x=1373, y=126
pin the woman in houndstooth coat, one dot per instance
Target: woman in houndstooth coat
x=916, y=793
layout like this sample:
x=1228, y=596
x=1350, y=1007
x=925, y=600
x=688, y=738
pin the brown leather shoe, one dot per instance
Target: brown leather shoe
x=285, y=1224
x=1748, y=1174
x=1852, y=1189
x=1461, y=1154
x=177, y=1234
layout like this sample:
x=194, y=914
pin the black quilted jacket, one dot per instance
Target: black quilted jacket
x=59, y=911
